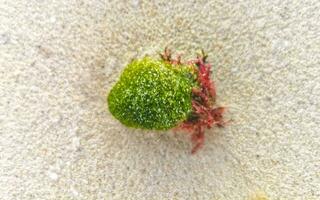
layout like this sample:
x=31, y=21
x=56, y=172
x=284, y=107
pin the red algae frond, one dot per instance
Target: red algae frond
x=205, y=114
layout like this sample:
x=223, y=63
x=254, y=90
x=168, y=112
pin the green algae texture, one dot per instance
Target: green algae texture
x=152, y=94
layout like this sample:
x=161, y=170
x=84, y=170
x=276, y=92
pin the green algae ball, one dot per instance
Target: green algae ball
x=152, y=94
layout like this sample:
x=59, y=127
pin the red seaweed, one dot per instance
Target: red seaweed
x=205, y=114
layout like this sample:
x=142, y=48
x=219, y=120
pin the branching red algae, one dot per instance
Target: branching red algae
x=205, y=114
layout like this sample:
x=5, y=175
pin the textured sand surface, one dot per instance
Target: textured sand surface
x=59, y=58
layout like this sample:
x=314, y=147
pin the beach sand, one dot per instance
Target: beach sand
x=59, y=59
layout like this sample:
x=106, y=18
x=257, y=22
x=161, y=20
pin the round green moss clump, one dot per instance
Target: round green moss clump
x=152, y=94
